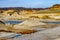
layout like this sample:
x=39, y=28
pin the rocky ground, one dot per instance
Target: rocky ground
x=52, y=31
x=49, y=34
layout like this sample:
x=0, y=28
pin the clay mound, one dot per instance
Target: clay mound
x=29, y=24
x=27, y=27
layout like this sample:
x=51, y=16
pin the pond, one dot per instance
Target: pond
x=12, y=22
x=19, y=21
x=52, y=22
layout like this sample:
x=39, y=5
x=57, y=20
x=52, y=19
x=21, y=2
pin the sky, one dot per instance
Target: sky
x=28, y=3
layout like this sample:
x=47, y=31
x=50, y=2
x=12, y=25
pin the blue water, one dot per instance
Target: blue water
x=12, y=22
x=17, y=35
x=53, y=22
x=17, y=22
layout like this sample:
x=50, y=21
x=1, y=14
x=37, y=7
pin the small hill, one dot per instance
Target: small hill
x=55, y=7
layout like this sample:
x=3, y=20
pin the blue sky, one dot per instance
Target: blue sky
x=28, y=3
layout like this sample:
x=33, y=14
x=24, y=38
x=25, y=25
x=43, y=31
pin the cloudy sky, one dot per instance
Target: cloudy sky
x=28, y=3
